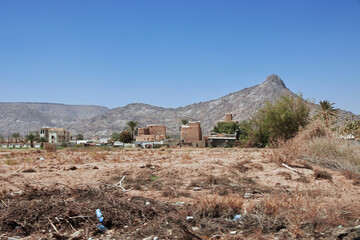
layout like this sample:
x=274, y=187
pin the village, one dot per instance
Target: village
x=153, y=135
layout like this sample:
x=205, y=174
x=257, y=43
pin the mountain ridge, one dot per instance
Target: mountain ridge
x=93, y=120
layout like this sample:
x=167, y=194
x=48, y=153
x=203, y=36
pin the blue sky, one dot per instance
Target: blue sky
x=172, y=53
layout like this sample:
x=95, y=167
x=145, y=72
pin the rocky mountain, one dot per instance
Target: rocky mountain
x=243, y=104
x=101, y=121
x=24, y=117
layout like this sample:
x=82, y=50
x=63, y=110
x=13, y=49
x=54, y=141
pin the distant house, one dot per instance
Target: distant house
x=151, y=133
x=54, y=135
x=191, y=132
x=228, y=118
x=220, y=140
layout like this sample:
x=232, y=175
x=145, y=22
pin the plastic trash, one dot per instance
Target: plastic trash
x=147, y=203
x=101, y=227
x=237, y=217
x=179, y=203
x=189, y=218
x=248, y=195
x=99, y=215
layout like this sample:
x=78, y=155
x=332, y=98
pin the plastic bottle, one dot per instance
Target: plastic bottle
x=99, y=215
x=101, y=227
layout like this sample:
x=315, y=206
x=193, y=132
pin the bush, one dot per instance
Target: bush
x=241, y=130
x=125, y=137
x=64, y=145
x=279, y=121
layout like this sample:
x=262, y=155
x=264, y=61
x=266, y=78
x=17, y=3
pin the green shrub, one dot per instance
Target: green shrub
x=280, y=120
x=64, y=145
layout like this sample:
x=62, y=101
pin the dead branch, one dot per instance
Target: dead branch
x=70, y=225
x=290, y=168
x=51, y=223
x=4, y=203
x=119, y=185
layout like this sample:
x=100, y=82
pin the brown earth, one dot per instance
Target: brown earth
x=183, y=193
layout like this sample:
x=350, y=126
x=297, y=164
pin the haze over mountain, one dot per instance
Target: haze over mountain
x=101, y=121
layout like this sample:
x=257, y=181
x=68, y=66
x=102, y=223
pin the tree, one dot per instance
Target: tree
x=115, y=137
x=125, y=137
x=226, y=127
x=327, y=113
x=42, y=140
x=16, y=136
x=31, y=138
x=132, y=127
x=183, y=122
x=280, y=120
x=79, y=137
x=1, y=138
x=352, y=126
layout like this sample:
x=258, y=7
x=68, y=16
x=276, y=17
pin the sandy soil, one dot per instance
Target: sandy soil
x=177, y=183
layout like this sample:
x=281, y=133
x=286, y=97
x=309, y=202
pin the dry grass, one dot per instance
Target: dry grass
x=321, y=174
x=300, y=208
x=299, y=212
x=219, y=206
x=50, y=147
x=334, y=153
x=286, y=175
x=319, y=146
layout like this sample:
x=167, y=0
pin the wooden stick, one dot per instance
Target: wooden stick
x=53, y=225
x=70, y=225
x=290, y=168
x=119, y=184
x=4, y=203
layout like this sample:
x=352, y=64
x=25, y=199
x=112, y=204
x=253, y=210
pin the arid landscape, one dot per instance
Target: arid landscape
x=182, y=193
x=184, y=120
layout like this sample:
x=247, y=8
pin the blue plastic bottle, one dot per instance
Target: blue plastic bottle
x=101, y=227
x=99, y=215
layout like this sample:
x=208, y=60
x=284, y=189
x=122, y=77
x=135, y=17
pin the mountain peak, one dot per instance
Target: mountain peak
x=274, y=79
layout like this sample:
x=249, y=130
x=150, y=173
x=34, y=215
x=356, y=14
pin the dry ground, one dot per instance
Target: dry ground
x=51, y=195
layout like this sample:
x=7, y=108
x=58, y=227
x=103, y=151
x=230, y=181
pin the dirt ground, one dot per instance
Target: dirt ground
x=180, y=193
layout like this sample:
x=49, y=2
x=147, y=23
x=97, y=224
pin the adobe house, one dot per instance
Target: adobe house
x=152, y=133
x=228, y=118
x=220, y=140
x=55, y=135
x=191, y=132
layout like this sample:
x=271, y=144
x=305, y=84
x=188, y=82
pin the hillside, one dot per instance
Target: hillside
x=100, y=121
x=24, y=117
x=243, y=104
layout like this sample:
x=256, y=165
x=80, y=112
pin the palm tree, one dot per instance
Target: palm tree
x=31, y=138
x=327, y=113
x=16, y=136
x=132, y=127
x=42, y=140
